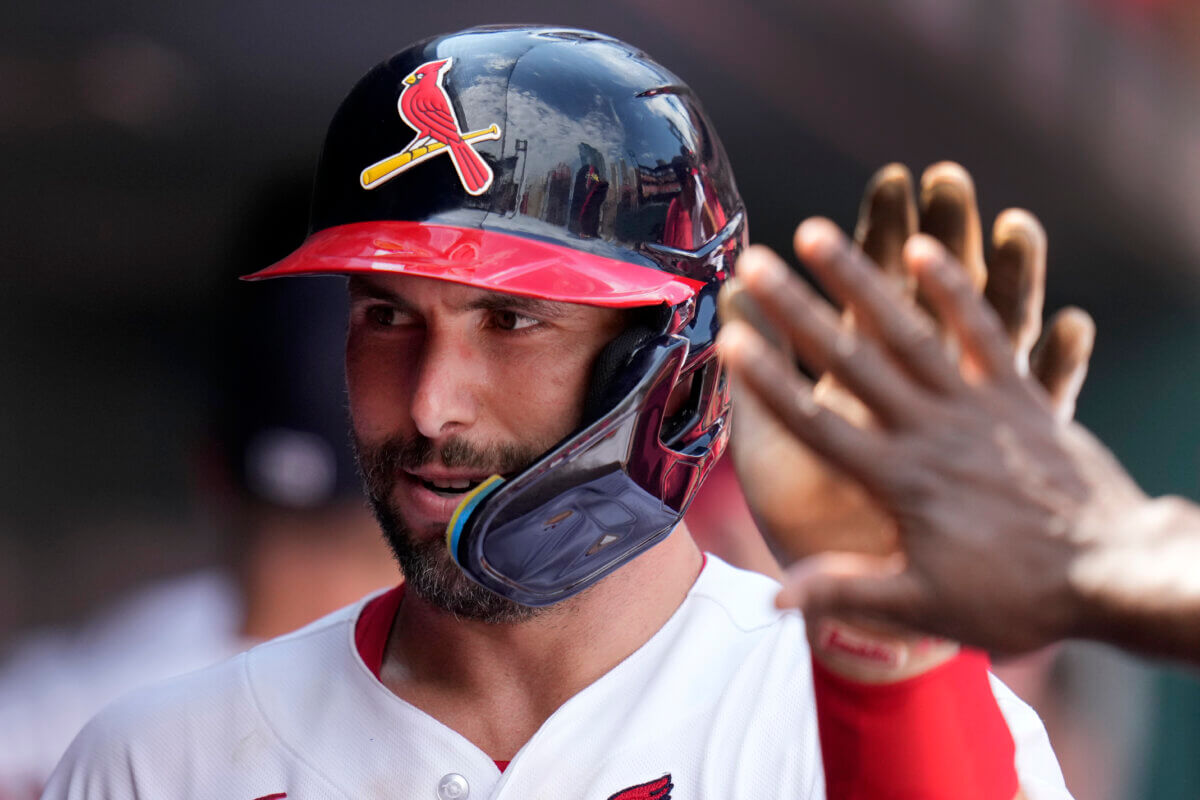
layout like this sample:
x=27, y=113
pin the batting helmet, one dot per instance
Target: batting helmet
x=568, y=166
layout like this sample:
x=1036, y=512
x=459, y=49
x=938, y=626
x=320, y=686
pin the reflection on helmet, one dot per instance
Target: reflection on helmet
x=607, y=186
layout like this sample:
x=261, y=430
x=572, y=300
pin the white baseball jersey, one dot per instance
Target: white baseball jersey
x=717, y=704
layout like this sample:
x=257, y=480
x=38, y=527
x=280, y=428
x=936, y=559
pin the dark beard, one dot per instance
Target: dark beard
x=429, y=571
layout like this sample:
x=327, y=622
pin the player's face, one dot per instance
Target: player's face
x=450, y=384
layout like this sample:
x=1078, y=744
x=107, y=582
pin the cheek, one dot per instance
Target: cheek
x=377, y=382
x=542, y=392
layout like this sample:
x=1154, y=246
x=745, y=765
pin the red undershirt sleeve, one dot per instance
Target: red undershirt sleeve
x=937, y=736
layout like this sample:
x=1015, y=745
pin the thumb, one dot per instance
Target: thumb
x=852, y=585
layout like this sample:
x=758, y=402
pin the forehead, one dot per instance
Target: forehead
x=416, y=292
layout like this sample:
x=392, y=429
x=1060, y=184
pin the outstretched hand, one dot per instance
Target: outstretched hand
x=992, y=494
x=822, y=508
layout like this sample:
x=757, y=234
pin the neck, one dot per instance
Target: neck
x=497, y=684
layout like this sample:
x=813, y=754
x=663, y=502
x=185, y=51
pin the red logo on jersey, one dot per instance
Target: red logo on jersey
x=659, y=789
x=276, y=796
x=425, y=106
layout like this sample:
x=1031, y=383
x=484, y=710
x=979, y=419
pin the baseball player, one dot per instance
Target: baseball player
x=535, y=397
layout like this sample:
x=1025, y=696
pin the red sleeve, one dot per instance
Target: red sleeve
x=937, y=736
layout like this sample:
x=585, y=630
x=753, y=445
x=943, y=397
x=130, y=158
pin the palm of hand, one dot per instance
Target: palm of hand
x=807, y=506
x=824, y=509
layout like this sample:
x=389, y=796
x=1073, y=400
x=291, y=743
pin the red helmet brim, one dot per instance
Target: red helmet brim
x=490, y=260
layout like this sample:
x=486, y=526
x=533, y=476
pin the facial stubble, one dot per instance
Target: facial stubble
x=429, y=571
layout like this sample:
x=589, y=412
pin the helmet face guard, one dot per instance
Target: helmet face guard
x=564, y=165
x=614, y=488
x=579, y=512
x=607, y=493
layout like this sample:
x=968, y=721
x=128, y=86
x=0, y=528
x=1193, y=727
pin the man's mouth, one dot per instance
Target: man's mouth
x=449, y=487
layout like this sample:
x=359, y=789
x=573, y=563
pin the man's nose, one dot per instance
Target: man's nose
x=445, y=400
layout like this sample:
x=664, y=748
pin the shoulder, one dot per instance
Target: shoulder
x=55, y=681
x=148, y=732
x=727, y=681
x=732, y=611
x=729, y=623
x=153, y=736
x=746, y=598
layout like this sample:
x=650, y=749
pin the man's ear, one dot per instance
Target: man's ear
x=642, y=325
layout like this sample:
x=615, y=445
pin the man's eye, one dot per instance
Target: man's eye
x=385, y=316
x=512, y=321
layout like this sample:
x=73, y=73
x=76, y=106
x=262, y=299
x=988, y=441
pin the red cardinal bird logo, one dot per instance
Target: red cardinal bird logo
x=659, y=789
x=425, y=106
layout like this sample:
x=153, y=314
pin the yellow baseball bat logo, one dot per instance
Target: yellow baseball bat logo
x=383, y=171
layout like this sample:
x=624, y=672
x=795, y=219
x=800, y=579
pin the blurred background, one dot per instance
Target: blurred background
x=142, y=145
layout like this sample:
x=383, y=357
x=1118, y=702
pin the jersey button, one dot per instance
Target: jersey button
x=453, y=787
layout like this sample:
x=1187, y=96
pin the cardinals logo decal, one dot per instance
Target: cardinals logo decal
x=659, y=789
x=425, y=107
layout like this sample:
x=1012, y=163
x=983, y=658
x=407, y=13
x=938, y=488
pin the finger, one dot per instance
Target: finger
x=823, y=343
x=787, y=484
x=886, y=218
x=853, y=585
x=1061, y=360
x=735, y=302
x=788, y=395
x=950, y=214
x=1016, y=281
x=880, y=309
x=954, y=299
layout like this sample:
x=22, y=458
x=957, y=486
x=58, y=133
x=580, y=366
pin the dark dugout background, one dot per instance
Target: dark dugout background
x=137, y=137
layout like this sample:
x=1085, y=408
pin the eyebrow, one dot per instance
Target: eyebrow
x=495, y=301
x=360, y=288
x=486, y=301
